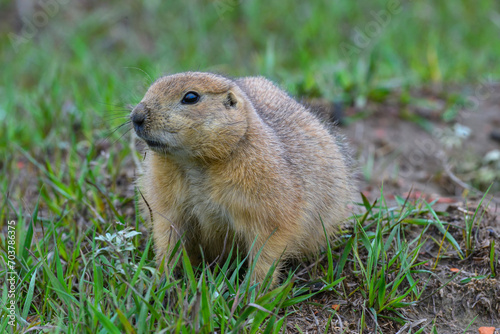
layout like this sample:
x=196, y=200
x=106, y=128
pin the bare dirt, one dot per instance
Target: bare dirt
x=411, y=151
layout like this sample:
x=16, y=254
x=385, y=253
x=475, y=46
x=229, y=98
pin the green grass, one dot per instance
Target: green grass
x=66, y=179
x=75, y=279
x=80, y=65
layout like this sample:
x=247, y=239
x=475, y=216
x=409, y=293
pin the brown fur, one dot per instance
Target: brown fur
x=246, y=161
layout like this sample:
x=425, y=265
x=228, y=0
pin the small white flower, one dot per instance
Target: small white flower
x=492, y=156
x=461, y=131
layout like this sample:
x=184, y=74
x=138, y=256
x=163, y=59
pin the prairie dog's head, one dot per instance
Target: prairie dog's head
x=192, y=114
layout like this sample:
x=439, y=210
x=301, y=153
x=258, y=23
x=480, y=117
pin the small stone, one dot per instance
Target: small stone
x=495, y=135
x=486, y=330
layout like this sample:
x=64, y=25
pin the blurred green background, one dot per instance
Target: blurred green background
x=70, y=68
x=65, y=62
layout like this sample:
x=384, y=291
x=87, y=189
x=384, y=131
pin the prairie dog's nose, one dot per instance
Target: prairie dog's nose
x=139, y=115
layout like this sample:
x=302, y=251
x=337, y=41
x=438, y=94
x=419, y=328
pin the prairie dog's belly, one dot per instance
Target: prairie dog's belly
x=211, y=216
x=215, y=225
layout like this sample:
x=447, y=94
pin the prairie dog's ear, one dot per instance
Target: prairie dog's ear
x=230, y=101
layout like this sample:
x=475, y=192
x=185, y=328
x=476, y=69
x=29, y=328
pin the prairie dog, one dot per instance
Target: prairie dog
x=238, y=160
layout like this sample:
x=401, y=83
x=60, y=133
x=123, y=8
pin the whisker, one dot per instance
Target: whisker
x=117, y=112
x=117, y=117
x=113, y=105
x=123, y=113
x=114, y=142
x=139, y=69
x=116, y=129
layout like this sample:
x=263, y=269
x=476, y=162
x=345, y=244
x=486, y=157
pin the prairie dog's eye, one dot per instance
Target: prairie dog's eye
x=190, y=98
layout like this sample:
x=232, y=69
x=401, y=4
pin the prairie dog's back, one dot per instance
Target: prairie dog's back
x=295, y=126
x=275, y=106
x=317, y=155
x=298, y=129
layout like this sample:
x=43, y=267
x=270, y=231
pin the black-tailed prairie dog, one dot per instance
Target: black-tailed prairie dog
x=238, y=160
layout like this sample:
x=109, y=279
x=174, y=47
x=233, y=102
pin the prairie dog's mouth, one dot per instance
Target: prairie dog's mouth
x=150, y=141
x=156, y=144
